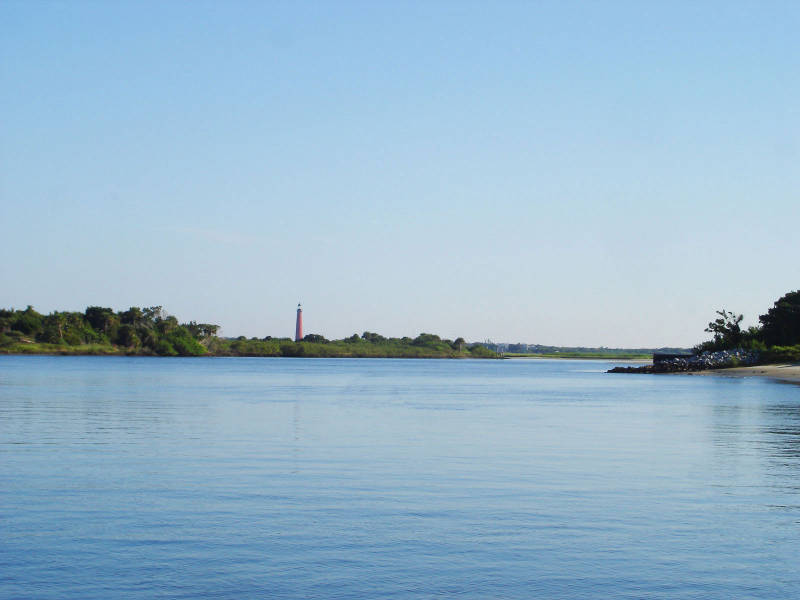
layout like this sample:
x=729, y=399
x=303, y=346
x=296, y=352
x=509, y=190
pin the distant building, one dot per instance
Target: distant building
x=298, y=327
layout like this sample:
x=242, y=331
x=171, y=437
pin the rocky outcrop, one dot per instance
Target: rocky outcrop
x=696, y=362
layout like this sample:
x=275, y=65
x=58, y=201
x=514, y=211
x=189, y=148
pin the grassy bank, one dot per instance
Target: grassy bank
x=253, y=349
x=62, y=349
x=365, y=346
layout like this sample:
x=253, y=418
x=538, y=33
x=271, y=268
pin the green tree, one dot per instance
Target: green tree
x=132, y=316
x=781, y=324
x=183, y=342
x=149, y=339
x=166, y=324
x=315, y=338
x=153, y=313
x=53, y=328
x=101, y=318
x=28, y=321
x=164, y=348
x=374, y=338
x=726, y=329
x=481, y=351
x=126, y=336
x=6, y=319
x=208, y=330
x=193, y=328
x=426, y=339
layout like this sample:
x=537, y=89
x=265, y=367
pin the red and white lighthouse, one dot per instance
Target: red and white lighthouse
x=298, y=328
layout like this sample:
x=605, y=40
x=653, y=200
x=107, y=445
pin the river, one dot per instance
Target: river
x=345, y=478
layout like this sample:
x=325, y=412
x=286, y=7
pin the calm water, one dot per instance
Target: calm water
x=248, y=478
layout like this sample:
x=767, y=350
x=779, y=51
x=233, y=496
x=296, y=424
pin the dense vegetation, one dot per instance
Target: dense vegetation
x=612, y=355
x=578, y=351
x=151, y=331
x=99, y=330
x=366, y=345
x=777, y=338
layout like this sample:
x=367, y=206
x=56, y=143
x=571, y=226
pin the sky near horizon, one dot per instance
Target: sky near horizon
x=598, y=173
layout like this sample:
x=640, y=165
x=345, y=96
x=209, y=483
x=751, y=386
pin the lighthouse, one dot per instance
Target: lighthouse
x=298, y=328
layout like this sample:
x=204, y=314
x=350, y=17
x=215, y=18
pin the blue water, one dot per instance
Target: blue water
x=301, y=478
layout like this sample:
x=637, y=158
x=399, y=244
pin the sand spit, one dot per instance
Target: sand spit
x=784, y=372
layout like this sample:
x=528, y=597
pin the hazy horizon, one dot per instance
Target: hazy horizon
x=568, y=174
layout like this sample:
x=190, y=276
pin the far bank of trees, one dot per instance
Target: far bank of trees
x=777, y=336
x=151, y=331
x=101, y=330
x=366, y=345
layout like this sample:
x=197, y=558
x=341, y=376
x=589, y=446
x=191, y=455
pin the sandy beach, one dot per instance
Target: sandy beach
x=784, y=372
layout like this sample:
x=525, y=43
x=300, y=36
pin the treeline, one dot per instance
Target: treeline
x=520, y=348
x=776, y=338
x=100, y=330
x=151, y=331
x=366, y=345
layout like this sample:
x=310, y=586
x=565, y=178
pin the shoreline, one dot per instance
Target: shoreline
x=598, y=358
x=212, y=355
x=788, y=372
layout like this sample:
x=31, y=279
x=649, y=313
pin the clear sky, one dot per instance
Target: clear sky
x=573, y=173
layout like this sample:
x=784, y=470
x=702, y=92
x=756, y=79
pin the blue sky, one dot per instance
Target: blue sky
x=600, y=173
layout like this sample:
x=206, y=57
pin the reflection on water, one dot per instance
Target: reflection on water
x=231, y=478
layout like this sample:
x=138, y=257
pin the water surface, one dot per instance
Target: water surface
x=313, y=478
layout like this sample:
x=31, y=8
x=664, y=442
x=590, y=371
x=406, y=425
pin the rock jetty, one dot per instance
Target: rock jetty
x=695, y=362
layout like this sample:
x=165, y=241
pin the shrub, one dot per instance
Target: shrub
x=291, y=349
x=126, y=336
x=782, y=354
x=184, y=344
x=754, y=344
x=73, y=338
x=164, y=348
x=28, y=322
x=481, y=351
